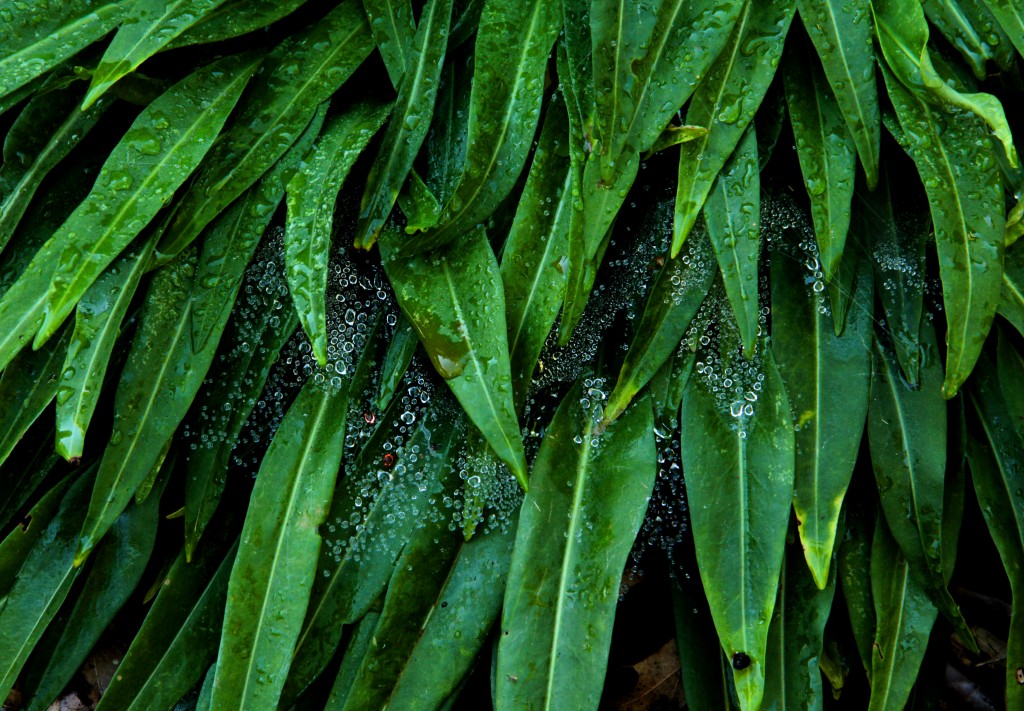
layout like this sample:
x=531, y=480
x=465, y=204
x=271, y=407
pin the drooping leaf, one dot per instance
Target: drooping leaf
x=178, y=639
x=277, y=561
x=996, y=454
x=298, y=76
x=854, y=565
x=576, y=526
x=732, y=213
x=456, y=303
x=16, y=546
x=535, y=257
x=1011, y=19
x=905, y=617
x=841, y=33
x=98, y=320
x=828, y=378
x=358, y=644
x=1011, y=304
x=400, y=352
x=149, y=26
x=702, y=665
x=961, y=178
x=394, y=30
x=907, y=431
x=234, y=18
x=513, y=42
x=827, y=155
x=725, y=103
x=160, y=150
x=312, y=194
x=414, y=110
x=958, y=22
x=739, y=486
x=34, y=39
x=1011, y=380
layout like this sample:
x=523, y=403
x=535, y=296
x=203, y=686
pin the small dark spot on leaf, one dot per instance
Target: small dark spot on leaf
x=444, y=604
x=740, y=661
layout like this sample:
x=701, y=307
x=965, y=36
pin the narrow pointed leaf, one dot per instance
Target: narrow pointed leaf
x=312, y=194
x=703, y=669
x=828, y=378
x=400, y=352
x=97, y=325
x=394, y=30
x=149, y=27
x=826, y=151
x=458, y=309
x=234, y=18
x=298, y=76
x=905, y=617
x=16, y=546
x=957, y=25
x=1011, y=380
x=842, y=35
x=907, y=433
x=277, y=561
x=513, y=42
x=1011, y=19
x=160, y=150
x=359, y=642
x=414, y=110
x=576, y=527
x=725, y=103
x=739, y=483
x=732, y=213
x=35, y=40
x=854, y=570
x=961, y=177
x=534, y=259
x=1011, y=304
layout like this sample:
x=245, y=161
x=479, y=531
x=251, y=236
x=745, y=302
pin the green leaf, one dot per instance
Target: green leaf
x=157, y=386
x=400, y=352
x=27, y=387
x=733, y=214
x=576, y=527
x=457, y=624
x=98, y=319
x=902, y=32
x=827, y=155
x=277, y=562
x=230, y=241
x=676, y=294
x=46, y=130
x=854, y=565
x=725, y=103
x=298, y=76
x=996, y=455
x=841, y=33
x=149, y=26
x=1011, y=18
x=796, y=637
x=897, y=254
x=234, y=18
x=534, y=260
x=828, y=378
x=905, y=618
x=117, y=569
x=355, y=650
x=907, y=434
x=16, y=546
x=961, y=178
x=1011, y=304
x=160, y=150
x=355, y=566
x=394, y=31
x=703, y=669
x=455, y=301
x=954, y=21
x=414, y=110
x=178, y=639
x=739, y=486
x=1011, y=380
x=312, y=194
x=44, y=580
x=513, y=42
x=35, y=40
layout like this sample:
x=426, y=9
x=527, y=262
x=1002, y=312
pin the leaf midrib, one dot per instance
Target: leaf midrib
x=97, y=15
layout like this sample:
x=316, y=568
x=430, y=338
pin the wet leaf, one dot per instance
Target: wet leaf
x=394, y=30
x=160, y=150
x=272, y=116
x=234, y=18
x=961, y=178
x=16, y=546
x=956, y=21
x=455, y=301
x=1011, y=18
x=1011, y=304
x=827, y=156
x=400, y=352
x=732, y=213
x=149, y=26
x=702, y=665
x=828, y=378
x=312, y=194
x=907, y=431
x=98, y=321
x=854, y=565
x=725, y=103
x=277, y=561
x=534, y=259
x=414, y=110
x=513, y=42
x=576, y=526
x=739, y=486
x=842, y=35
